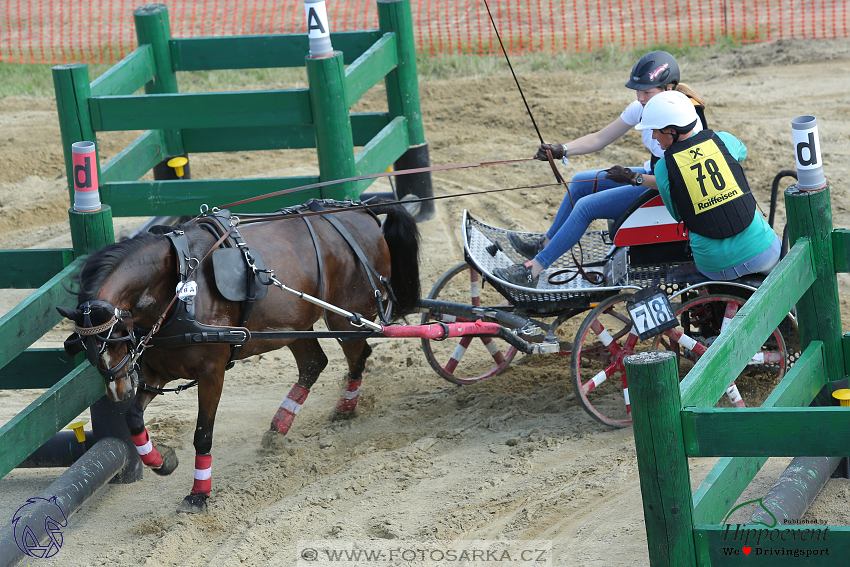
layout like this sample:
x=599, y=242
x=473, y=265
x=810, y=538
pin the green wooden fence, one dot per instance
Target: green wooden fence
x=176, y=124
x=673, y=421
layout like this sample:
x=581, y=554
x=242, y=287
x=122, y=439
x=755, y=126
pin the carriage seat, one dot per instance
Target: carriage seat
x=689, y=274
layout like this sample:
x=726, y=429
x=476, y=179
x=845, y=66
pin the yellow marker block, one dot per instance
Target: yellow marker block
x=842, y=396
x=178, y=163
x=77, y=428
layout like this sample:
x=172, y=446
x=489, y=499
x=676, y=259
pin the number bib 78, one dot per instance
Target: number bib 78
x=651, y=313
x=709, y=180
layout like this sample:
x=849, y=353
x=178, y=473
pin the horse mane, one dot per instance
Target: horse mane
x=103, y=263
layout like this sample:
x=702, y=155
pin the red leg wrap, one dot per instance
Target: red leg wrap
x=148, y=453
x=349, y=398
x=289, y=408
x=203, y=475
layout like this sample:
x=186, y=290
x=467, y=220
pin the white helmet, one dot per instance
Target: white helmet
x=669, y=109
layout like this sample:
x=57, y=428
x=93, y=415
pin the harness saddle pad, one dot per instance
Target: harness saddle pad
x=232, y=273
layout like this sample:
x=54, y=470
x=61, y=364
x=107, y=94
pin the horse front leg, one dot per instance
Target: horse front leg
x=356, y=353
x=311, y=360
x=209, y=395
x=162, y=463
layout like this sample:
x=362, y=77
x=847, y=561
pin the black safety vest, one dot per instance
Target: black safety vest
x=709, y=187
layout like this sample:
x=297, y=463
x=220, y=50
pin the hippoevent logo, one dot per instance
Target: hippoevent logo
x=33, y=519
x=751, y=538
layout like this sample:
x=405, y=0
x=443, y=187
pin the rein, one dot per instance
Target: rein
x=377, y=175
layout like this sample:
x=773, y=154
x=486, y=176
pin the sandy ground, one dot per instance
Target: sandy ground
x=513, y=457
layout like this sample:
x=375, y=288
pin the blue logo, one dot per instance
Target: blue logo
x=30, y=523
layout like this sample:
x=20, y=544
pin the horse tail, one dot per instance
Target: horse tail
x=402, y=237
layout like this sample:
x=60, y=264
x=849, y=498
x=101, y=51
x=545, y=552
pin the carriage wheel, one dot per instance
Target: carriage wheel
x=465, y=360
x=700, y=322
x=599, y=376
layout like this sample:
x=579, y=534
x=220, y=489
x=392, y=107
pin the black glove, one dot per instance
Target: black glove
x=557, y=150
x=621, y=174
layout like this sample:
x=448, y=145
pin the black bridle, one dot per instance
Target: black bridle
x=95, y=338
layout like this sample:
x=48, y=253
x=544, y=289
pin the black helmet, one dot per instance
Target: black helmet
x=656, y=69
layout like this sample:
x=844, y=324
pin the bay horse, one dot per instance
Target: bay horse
x=129, y=286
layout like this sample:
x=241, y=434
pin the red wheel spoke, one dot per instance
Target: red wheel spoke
x=605, y=337
x=493, y=349
x=599, y=378
x=451, y=365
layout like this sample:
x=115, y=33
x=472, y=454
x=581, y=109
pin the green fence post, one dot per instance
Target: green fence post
x=152, y=27
x=403, y=100
x=662, y=463
x=90, y=232
x=334, y=142
x=818, y=311
x=73, y=91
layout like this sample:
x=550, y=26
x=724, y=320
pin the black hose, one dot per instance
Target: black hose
x=774, y=190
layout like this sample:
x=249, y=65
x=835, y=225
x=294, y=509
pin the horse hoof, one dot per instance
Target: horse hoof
x=273, y=441
x=342, y=415
x=169, y=462
x=194, y=504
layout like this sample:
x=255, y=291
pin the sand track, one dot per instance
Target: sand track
x=513, y=457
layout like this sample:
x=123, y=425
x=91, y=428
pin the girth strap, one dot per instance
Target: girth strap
x=371, y=273
x=321, y=270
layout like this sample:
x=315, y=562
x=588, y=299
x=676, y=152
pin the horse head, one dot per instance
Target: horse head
x=115, y=280
x=105, y=333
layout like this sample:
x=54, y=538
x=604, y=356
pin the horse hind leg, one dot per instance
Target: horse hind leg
x=311, y=361
x=356, y=352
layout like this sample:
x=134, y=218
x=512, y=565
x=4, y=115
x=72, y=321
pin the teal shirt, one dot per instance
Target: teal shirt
x=712, y=254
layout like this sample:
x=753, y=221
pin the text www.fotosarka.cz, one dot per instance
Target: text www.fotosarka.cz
x=474, y=553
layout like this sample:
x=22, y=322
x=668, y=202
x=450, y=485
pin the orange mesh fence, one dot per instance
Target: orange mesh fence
x=101, y=31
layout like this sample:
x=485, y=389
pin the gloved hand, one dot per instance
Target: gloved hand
x=621, y=174
x=557, y=150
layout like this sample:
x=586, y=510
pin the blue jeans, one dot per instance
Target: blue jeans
x=570, y=224
x=759, y=264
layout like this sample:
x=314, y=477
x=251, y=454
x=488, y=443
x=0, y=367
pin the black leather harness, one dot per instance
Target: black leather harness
x=181, y=326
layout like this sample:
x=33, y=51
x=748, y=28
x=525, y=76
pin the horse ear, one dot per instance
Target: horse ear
x=73, y=345
x=74, y=315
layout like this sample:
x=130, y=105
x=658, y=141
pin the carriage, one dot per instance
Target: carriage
x=152, y=309
x=637, y=287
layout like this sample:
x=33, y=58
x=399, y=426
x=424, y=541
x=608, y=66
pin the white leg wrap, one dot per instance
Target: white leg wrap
x=144, y=449
x=351, y=395
x=493, y=348
x=291, y=406
x=203, y=474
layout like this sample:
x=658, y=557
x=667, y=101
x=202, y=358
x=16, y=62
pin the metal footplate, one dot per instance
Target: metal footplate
x=488, y=248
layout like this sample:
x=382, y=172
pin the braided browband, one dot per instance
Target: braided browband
x=86, y=331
